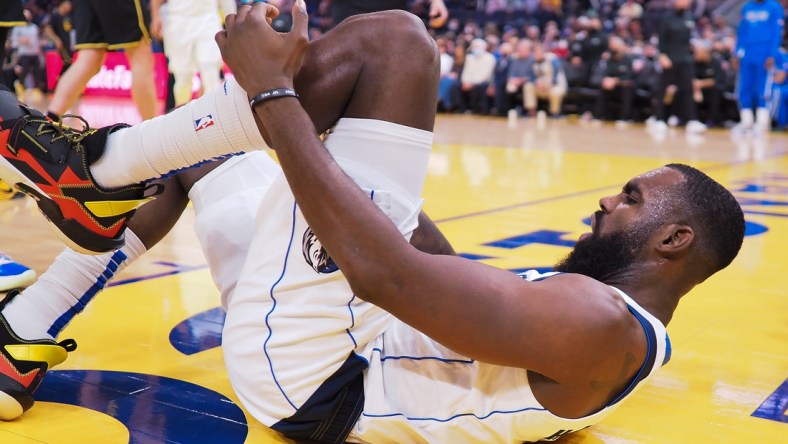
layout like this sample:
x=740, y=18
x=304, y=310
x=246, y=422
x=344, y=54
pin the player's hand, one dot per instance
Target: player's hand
x=438, y=13
x=260, y=57
x=769, y=63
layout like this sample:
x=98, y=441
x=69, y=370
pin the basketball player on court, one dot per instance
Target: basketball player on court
x=398, y=346
x=187, y=30
x=109, y=25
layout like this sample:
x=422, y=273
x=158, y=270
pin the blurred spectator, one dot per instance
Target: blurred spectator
x=520, y=69
x=27, y=44
x=533, y=33
x=502, y=101
x=10, y=15
x=59, y=29
x=448, y=77
x=549, y=82
x=320, y=18
x=630, y=10
x=617, y=81
x=647, y=70
x=9, y=63
x=342, y=9
x=757, y=44
x=592, y=44
x=476, y=77
x=709, y=83
x=677, y=66
x=720, y=28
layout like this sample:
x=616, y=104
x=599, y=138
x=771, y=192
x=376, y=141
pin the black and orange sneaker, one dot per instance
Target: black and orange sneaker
x=23, y=365
x=50, y=162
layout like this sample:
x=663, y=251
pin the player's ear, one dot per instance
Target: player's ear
x=675, y=239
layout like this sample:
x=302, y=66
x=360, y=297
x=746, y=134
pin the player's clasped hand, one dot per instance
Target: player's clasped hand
x=261, y=58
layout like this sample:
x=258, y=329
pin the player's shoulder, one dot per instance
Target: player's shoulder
x=594, y=299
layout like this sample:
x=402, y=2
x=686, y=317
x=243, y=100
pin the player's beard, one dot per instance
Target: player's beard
x=607, y=257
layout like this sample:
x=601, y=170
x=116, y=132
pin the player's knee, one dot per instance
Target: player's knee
x=403, y=39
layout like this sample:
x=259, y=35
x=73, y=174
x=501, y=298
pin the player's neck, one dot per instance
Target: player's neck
x=658, y=293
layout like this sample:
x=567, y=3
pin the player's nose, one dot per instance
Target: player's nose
x=607, y=203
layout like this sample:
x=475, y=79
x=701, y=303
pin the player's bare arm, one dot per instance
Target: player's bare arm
x=558, y=328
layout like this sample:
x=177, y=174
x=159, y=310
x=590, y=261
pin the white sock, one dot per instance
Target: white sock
x=43, y=309
x=762, y=118
x=746, y=117
x=215, y=125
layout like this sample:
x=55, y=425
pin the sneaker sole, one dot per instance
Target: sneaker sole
x=18, y=281
x=14, y=400
x=9, y=407
x=67, y=229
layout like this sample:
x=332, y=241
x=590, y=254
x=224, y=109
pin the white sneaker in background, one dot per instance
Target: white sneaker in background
x=659, y=127
x=696, y=127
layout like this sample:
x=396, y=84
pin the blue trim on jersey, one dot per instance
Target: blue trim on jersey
x=494, y=412
x=101, y=281
x=423, y=358
x=171, y=173
x=267, y=316
x=352, y=321
x=668, y=349
x=651, y=354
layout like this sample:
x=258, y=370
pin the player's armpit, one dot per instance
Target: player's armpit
x=429, y=239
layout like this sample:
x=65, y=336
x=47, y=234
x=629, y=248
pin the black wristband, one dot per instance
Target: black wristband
x=272, y=94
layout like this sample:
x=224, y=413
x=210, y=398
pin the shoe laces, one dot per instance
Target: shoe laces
x=59, y=130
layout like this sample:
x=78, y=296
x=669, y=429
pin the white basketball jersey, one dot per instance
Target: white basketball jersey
x=419, y=391
x=182, y=8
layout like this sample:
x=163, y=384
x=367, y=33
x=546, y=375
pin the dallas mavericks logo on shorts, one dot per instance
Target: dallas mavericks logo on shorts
x=315, y=255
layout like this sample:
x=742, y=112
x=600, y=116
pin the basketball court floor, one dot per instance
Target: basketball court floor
x=149, y=369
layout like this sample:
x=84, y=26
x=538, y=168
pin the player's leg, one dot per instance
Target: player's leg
x=143, y=89
x=207, y=55
x=762, y=88
x=219, y=123
x=33, y=318
x=745, y=95
x=295, y=339
x=72, y=83
x=782, y=107
x=180, y=47
x=225, y=197
x=91, y=45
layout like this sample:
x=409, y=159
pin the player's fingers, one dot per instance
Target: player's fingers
x=229, y=21
x=221, y=39
x=243, y=11
x=271, y=13
x=300, y=29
